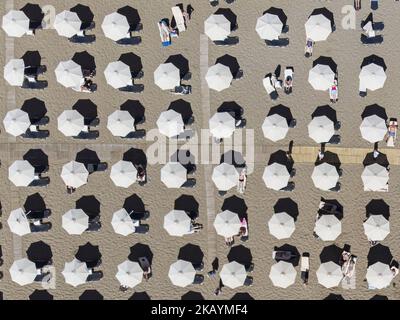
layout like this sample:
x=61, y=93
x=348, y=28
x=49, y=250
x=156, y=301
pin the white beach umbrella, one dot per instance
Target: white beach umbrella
x=75, y=272
x=181, y=273
x=325, y=176
x=74, y=174
x=167, y=76
x=217, y=27
x=69, y=74
x=122, y=223
x=14, y=72
x=15, y=23
x=219, y=77
x=170, y=123
x=227, y=224
x=379, y=275
x=75, y=221
x=276, y=176
x=282, y=274
x=328, y=227
x=376, y=228
x=275, y=127
x=173, y=174
x=23, y=272
x=225, y=176
x=318, y=27
x=118, y=74
x=67, y=23
x=115, y=26
x=18, y=222
x=281, y=225
x=373, y=128
x=123, y=174
x=233, y=274
x=120, y=123
x=321, y=129
x=329, y=274
x=70, y=123
x=321, y=77
x=129, y=274
x=269, y=26
x=222, y=125
x=16, y=122
x=177, y=223
x=21, y=173
x=372, y=77
x=375, y=177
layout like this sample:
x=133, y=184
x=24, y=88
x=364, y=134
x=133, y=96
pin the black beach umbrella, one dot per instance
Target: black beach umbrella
x=89, y=253
x=133, y=61
x=41, y=295
x=84, y=13
x=379, y=297
x=135, y=108
x=294, y=251
x=379, y=253
x=281, y=110
x=333, y=296
x=327, y=61
x=35, y=108
x=326, y=13
x=91, y=295
x=280, y=157
x=40, y=253
x=380, y=159
x=85, y=60
x=242, y=296
x=90, y=205
x=277, y=12
x=377, y=207
x=374, y=109
x=183, y=108
x=331, y=253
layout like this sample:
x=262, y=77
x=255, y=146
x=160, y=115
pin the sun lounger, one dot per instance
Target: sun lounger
x=238, y=75
x=222, y=193
x=41, y=122
x=44, y=227
x=305, y=267
x=392, y=132
x=337, y=125
x=292, y=172
x=371, y=40
x=190, y=183
x=199, y=267
x=39, y=134
x=229, y=41
x=378, y=26
x=277, y=43
x=198, y=279
x=374, y=4
x=282, y=255
x=135, y=88
x=179, y=20
x=90, y=135
x=270, y=88
x=138, y=134
x=214, y=3
x=289, y=187
x=335, y=139
x=95, y=276
x=102, y=166
x=130, y=41
x=182, y=90
x=37, y=85
x=250, y=267
x=94, y=226
x=336, y=188
x=142, y=229
x=85, y=39
x=248, y=281
x=41, y=182
x=138, y=75
x=292, y=123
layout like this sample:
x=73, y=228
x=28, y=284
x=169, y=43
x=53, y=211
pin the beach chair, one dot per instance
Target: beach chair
x=95, y=276
x=289, y=187
x=198, y=279
x=222, y=193
x=337, y=125
x=83, y=39
x=277, y=43
x=164, y=34
x=214, y=3
x=238, y=74
x=288, y=82
x=135, y=88
x=335, y=139
x=182, y=90
x=248, y=281
x=292, y=123
x=229, y=41
x=142, y=229
x=89, y=135
x=270, y=88
x=392, y=132
x=179, y=20
x=39, y=134
x=374, y=4
x=305, y=267
x=138, y=75
x=373, y=40
x=94, y=226
x=199, y=266
x=41, y=122
x=44, y=227
x=337, y=187
x=37, y=85
x=282, y=255
x=130, y=41
x=190, y=183
x=41, y=182
x=250, y=267
x=137, y=134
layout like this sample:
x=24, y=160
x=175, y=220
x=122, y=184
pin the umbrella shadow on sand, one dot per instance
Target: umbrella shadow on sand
x=188, y=204
x=90, y=254
x=295, y=253
x=40, y=295
x=381, y=159
x=338, y=213
x=231, y=107
x=287, y=205
x=133, y=61
x=136, y=156
x=331, y=253
x=90, y=205
x=140, y=250
x=35, y=108
x=330, y=158
x=229, y=61
x=234, y=158
x=379, y=253
x=236, y=205
x=229, y=15
x=281, y=157
x=180, y=62
x=191, y=253
x=327, y=111
x=374, y=109
x=378, y=207
x=241, y=255
x=135, y=108
x=183, y=108
x=327, y=61
x=281, y=110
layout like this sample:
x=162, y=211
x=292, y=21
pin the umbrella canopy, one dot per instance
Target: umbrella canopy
x=15, y=23
x=233, y=274
x=325, y=176
x=69, y=74
x=321, y=77
x=177, y=223
x=23, y=272
x=14, y=72
x=173, y=174
x=123, y=174
x=373, y=128
x=379, y=275
x=282, y=274
x=16, y=122
x=67, y=23
x=170, y=123
x=319, y=24
x=321, y=129
x=328, y=227
x=329, y=274
x=372, y=76
x=181, y=273
x=167, y=76
x=276, y=176
x=281, y=225
x=122, y=222
x=225, y=176
x=70, y=123
x=219, y=77
x=269, y=26
x=375, y=177
x=75, y=272
x=129, y=274
x=21, y=173
x=217, y=27
x=227, y=224
x=120, y=123
x=18, y=222
x=118, y=74
x=275, y=127
x=74, y=174
x=376, y=228
x=115, y=26
x=75, y=221
x=222, y=125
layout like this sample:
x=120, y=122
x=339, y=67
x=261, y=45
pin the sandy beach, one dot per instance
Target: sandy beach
x=256, y=60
